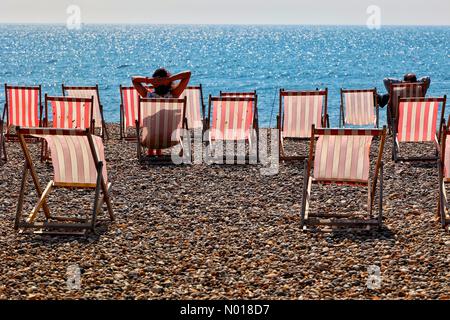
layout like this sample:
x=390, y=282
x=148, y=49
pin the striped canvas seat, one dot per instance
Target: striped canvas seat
x=129, y=107
x=302, y=109
x=342, y=158
x=72, y=160
x=359, y=107
x=87, y=93
x=232, y=119
x=78, y=160
x=161, y=121
x=70, y=113
x=417, y=121
x=23, y=106
x=194, y=106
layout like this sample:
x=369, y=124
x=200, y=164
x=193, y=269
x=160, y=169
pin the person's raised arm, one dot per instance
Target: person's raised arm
x=179, y=88
x=155, y=82
x=138, y=85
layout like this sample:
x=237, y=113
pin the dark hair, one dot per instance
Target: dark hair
x=410, y=77
x=162, y=90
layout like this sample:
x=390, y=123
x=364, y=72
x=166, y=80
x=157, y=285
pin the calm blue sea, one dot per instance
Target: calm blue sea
x=264, y=58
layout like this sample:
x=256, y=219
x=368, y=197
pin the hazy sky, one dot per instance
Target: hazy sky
x=415, y=12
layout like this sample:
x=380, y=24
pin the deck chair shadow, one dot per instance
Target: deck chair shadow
x=88, y=92
x=233, y=120
x=78, y=163
x=160, y=127
x=342, y=157
x=299, y=110
x=359, y=108
x=419, y=122
x=23, y=107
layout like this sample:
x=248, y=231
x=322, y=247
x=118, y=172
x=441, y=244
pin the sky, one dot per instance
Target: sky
x=353, y=12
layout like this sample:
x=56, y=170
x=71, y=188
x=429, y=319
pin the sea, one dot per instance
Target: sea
x=225, y=57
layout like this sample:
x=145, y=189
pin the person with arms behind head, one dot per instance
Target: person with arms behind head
x=162, y=85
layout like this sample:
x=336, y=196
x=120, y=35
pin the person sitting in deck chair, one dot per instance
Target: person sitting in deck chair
x=164, y=85
x=407, y=78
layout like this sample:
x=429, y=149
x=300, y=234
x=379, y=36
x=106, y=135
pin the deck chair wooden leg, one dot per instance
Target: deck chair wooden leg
x=97, y=195
x=380, y=201
x=34, y=176
x=40, y=203
x=442, y=206
x=305, y=197
x=23, y=186
x=107, y=199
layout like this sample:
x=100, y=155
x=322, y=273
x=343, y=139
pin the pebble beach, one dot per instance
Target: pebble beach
x=226, y=232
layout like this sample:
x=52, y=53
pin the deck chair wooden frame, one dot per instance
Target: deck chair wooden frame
x=364, y=98
x=444, y=178
x=324, y=119
x=337, y=176
x=102, y=125
x=251, y=138
x=129, y=104
x=248, y=94
x=408, y=90
x=8, y=122
x=440, y=122
x=196, y=107
x=54, y=224
x=160, y=159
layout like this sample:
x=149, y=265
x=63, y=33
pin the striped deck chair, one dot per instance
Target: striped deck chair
x=69, y=113
x=444, y=178
x=234, y=119
x=88, y=92
x=129, y=105
x=299, y=110
x=78, y=163
x=402, y=90
x=418, y=123
x=23, y=107
x=359, y=108
x=342, y=157
x=195, y=107
x=159, y=126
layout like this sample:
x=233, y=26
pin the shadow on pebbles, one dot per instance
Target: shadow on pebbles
x=225, y=232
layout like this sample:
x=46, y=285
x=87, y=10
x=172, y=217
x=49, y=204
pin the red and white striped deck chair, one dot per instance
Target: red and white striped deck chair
x=359, y=107
x=23, y=107
x=129, y=105
x=69, y=113
x=402, y=90
x=234, y=118
x=78, y=163
x=160, y=124
x=419, y=121
x=342, y=157
x=444, y=178
x=299, y=110
x=195, y=107
x=88, y=92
